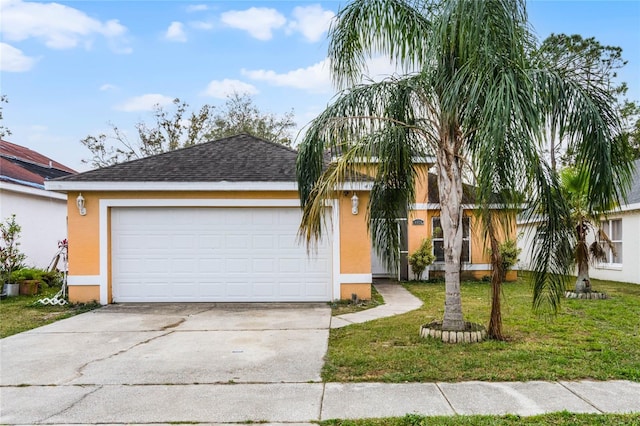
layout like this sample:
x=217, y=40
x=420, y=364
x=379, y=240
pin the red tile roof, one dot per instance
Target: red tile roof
x=22, y=165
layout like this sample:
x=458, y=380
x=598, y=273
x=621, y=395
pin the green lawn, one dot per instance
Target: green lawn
x=554, y=419
x=20, y=313
x=589, y=339
x=347, y=306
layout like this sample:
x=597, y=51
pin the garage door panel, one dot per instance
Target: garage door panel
x=215, y=254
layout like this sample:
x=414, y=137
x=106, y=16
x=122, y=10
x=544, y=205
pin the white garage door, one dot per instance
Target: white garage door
x=215, y=255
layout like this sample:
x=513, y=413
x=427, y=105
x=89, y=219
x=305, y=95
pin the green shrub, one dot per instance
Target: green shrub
x=46, y=278
x=421, y=258
x=509, y=252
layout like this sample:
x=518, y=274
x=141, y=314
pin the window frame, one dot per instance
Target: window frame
x=607, y=226
x=465, y=238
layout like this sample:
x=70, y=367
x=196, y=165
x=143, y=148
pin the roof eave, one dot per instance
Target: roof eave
x=67, y=185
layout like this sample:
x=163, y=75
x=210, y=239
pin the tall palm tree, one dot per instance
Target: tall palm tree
x=472, y=96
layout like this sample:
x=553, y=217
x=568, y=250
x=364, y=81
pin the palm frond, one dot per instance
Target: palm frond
x=365, y=28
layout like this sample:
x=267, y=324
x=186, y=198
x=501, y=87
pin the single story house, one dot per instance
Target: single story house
x=218, y=222
x=623, y=228
x=41, y=214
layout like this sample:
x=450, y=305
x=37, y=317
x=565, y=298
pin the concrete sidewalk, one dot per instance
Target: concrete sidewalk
x=397, y=300
x=218, y=364
x=301, y=403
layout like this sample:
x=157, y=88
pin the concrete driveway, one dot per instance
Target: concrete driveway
x=79, y=364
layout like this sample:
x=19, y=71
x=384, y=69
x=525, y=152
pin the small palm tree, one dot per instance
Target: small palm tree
x=585, y=220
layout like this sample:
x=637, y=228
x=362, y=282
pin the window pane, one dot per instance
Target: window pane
x=438, y=250
x=437, y=229
x=465, y=251
x=465, y=227
x=604, y=225
x=616, y=230
x=618, y=256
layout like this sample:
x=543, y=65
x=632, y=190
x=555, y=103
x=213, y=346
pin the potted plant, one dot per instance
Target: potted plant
x=29, y=279
x=10, y=256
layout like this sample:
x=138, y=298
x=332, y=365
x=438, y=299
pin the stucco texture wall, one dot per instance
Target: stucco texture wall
x=43, y=221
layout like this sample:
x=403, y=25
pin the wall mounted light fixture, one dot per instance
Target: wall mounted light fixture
x=355, y=202
x=80, y=203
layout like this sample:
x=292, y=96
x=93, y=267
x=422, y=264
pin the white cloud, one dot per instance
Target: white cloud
x=197, y=7
x=175, y=32
x=144, y=103
x=314, y=78
x=221, y=89
x=317, y=78
x=58, y=26
x=201, y=25
x=312, y=21
x=13, y=60
x=107, y=86
x=257, y=21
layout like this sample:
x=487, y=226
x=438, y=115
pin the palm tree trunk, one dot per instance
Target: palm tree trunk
x=450, y=191
x=583, y=283
x=497, y=276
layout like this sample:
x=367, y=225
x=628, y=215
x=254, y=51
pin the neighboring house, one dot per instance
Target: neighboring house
x=623, y=228
x=41, y=214
x=218, y=222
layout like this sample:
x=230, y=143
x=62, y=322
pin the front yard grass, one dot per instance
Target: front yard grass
x=553, y=419
x=20, y=313
x=588, y=339
x=347, y=306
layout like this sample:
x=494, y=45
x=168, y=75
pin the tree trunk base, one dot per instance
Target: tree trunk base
x=590, y=295
x=472, y=333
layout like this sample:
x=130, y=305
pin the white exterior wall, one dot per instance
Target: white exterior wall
x=526, y=233
x=629, y=271
x=42, y=216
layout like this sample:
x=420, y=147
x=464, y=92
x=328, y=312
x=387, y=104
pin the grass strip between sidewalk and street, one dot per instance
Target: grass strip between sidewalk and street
x=588, y=339
x=553, y=419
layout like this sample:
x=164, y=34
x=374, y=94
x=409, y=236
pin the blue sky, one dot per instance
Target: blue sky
x=69, y=68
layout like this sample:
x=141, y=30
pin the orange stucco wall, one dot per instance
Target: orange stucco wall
x=84, y=293
x=355, y=246
x=84, y=235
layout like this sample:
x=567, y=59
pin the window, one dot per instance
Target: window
x=438, y=240
x=613, y=229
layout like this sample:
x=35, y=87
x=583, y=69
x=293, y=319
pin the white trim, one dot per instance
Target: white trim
x=356, y=186
x=439, y=266
x=31, y=191
x=436, y=206
x=375, y=160
x=191, y=186
x=627, y=207
x=82, y=280
x=170, y=186
x=610, y=266
x=202, y=202
x=106, y=204
x=335, y=247
x=355, y=278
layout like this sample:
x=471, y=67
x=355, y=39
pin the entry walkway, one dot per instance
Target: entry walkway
x=397, y=300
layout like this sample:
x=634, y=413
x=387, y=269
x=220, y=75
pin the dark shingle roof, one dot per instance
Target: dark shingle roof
x=634, y=193
x=240, y=158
